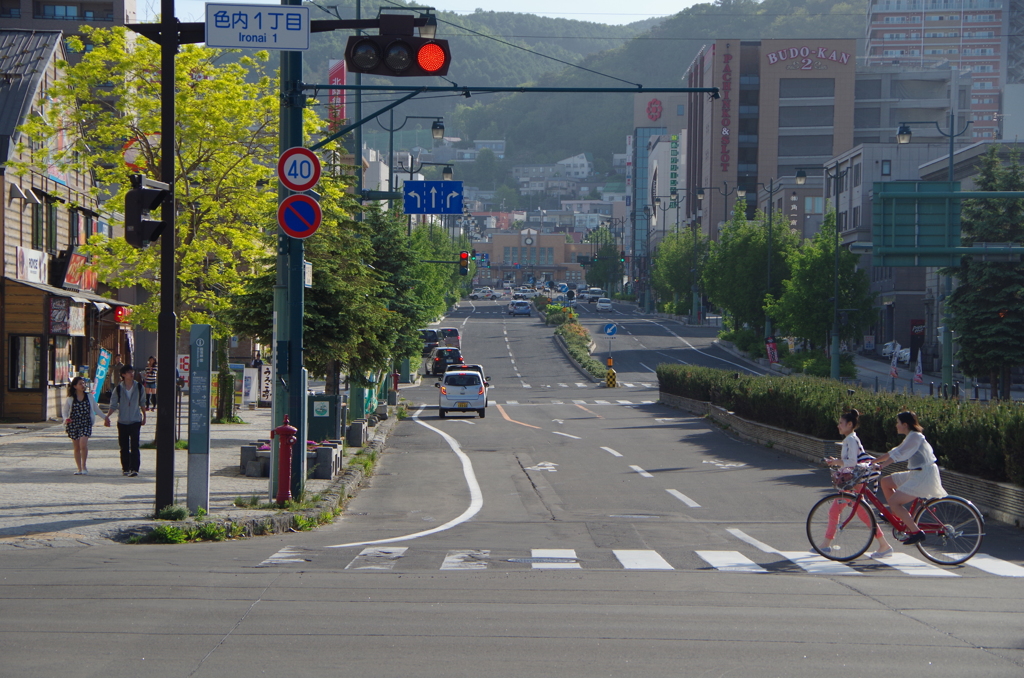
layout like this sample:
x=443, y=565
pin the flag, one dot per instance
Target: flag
x=919, y=372
x=893, y=370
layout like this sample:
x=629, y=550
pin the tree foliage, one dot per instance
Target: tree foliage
x=736, y=275
x=225, y=146
x=988, y=304
x=606, y=270
x=672, y=270
x=805, y=308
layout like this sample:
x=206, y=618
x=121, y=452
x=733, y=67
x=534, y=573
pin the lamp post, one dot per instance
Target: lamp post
x=436, y=131
x=771, y=211
x=837, y=176
x=903, y=136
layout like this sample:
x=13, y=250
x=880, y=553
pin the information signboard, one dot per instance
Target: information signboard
x=267, y=26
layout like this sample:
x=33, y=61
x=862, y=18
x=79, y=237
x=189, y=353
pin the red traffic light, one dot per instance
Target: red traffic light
x=402, y=56
x=463, y=263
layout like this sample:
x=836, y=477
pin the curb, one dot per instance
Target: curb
x=560, y=343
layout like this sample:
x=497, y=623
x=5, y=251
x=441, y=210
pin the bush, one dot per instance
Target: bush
x=172, y=512
x=540, y=302
x=620, y=296
x=817, y=364
x=577, y=341
x=982, y=440
x=745, y=339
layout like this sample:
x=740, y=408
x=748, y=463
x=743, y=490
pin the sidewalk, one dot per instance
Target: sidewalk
x=45, y=504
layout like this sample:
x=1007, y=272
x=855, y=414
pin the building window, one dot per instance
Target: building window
x=26, y=368
x=856, y=174
x=51, y=226
x=814, y=205
x=37, y=226
x=515, y=255
x=507, y=258
x=76, y=234
x=855, y=223
x=887, y=168
x=551, y=256
x=90, y=227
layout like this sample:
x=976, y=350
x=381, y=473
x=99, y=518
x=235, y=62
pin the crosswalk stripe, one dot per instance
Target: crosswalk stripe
x=646, y=385
x=683, y=498
x=730, y=561
x=466, y=559
x=377, y=558
x=557, y=402
x=579, y=402
x=641, y=560
x=627, y=385
x=987, y=563
x=913, y=566
x=555, y=553
x=580, y=385
x=284, y=556
x=601, y=402
x=815, y=564
x=564, y=385
x=511, y=402
x=624, y=402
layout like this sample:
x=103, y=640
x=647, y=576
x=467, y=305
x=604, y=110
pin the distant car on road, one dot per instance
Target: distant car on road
x=441, y=357
x=462, y=391
x=429, y=337
x=604, y=304
x=449, y=336
x=519, y=308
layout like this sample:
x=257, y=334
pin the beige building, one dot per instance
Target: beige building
x=529, y=257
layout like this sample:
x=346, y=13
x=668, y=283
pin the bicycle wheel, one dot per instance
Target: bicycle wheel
x=850, y=534
x=954, y=530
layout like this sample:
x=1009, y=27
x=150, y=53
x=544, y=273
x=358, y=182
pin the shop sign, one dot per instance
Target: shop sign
x=77, y=276
x=807, y=58
x=60, y=315
x=122, y=313
x=725, y=156
x=32, y=266
x=76, y=320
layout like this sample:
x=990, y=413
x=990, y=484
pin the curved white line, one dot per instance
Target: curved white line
x=476, y=496
x=713, y=357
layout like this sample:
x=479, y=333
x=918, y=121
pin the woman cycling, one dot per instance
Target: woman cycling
x=852, y=454
x=921, y=480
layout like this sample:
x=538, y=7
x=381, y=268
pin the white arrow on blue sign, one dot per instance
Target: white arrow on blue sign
x=433, y=197
x=610, y=329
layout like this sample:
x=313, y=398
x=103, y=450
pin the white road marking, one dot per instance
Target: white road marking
x=601, y=402
x=579, y=402
x=668, y=420
x=466, y=560
x=649, y=369
x=559, y=433
x=723, y=464
x=815, y=564
x=646, y=402
x=579, y=385
x=560, y=421
x=742, y=367
x=511, y=402
x=527, y=386
x=627, y=385
x=555, y=553
x=564, y=385
x=642, y=472
x=510, y=359
x=641, y=560
x=730, y=561
x=683, y=498
x=611, y=451
x=624, y=402
x=377, y=558
x=993, y=565
x=557, y=402
x=542, y=466
x=284, y=556
x=476, y=496
x=911, y=565
x=466, y=421
x=646, y=385
x=743, y=536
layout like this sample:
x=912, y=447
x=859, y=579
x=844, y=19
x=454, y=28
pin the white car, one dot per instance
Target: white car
x=604, y=304
x=462, y=391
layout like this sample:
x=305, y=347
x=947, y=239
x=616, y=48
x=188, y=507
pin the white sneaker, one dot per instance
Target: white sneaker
x=829, y=549
x=878, y=555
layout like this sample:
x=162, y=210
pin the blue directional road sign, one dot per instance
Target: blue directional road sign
x=610, y=329
x=433, y=197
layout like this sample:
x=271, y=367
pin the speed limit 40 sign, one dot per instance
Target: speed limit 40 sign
x=298, y=169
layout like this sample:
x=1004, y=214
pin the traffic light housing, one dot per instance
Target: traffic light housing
x=622, y=257
x=463, y=263
x=143, y=197
x=396, y=52
x=473, y=254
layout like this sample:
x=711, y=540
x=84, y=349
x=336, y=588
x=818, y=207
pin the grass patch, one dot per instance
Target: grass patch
x=229, y=420
x=577, y=341
x=172, y=512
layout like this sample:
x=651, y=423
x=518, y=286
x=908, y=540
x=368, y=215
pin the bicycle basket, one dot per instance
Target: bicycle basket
x=848, y=477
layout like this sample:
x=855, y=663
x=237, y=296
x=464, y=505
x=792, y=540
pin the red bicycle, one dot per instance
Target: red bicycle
x=842, y=525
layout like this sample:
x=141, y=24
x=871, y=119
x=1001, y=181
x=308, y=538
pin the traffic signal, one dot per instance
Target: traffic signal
x=463, y=263
x=622, y=257
x=143, y=197
x=473, y=254
x=396, y=52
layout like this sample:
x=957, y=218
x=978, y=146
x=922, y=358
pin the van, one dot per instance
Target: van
x=595, y=293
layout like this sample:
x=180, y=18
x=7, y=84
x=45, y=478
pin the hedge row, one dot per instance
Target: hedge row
x=577, y=340
x=985, y=440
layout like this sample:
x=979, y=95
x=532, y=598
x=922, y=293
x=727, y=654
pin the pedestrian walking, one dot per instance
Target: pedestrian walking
x=126, y=401
x=79, y=411
x=149, y=382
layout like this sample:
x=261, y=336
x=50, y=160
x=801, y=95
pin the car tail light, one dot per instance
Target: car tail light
x=444, y=390
x=481, y=391
x=461, y=360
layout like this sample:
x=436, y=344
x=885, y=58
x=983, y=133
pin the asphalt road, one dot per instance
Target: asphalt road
x=576, y=531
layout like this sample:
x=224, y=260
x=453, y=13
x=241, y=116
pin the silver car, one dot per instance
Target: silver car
x=462, y=392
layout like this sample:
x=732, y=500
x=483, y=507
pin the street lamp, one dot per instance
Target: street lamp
x=771, y=211
x=903, y=136
x=436, y=131
x=837, y=176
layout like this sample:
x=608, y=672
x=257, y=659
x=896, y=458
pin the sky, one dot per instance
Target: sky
x=598, y=11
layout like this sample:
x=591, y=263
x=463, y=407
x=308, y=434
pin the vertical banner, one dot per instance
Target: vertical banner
x=772, y=349
x=266, y=385
x=200, y=364
x=917, y=328
x=919, y=372
x=102, y=367
x=893, y=369
x=336, y=99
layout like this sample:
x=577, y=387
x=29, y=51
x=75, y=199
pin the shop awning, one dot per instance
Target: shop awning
x=101, y=303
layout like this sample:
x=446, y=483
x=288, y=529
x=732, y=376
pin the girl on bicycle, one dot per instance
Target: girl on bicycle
x=920, y=480
x=852, y=454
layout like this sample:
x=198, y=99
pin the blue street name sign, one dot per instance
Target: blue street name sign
x=433, y=197
x=610, y=329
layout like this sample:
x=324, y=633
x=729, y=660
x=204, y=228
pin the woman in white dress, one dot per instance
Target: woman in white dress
x=920, y=480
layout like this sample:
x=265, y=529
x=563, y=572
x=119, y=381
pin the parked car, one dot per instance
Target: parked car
x=519, y=308
x=441, y=357
x=604, y=304
x=485, y=293
x=904, y=354
x=429, y=337
x=449, y=336
x=461, y=391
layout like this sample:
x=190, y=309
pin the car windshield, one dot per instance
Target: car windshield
x=429, y=335
x=462, y=380
x=448, y=353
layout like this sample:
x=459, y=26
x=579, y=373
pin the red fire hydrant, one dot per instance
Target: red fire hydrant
x=286, y=432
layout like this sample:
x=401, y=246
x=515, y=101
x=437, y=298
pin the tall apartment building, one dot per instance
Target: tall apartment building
x=970, y=35
x=66, y=16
